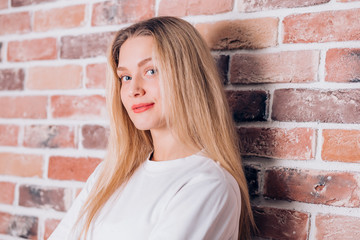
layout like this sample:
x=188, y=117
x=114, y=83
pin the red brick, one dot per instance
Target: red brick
x=294, y=66
x=307, y=105
x=70, y=168
x=35, y=49
x=330, y=226
x=9, y=135
x=15, y=23
x=44, y=197
x=85, y=46
x=19, y=226
x=281, y=223
x=12, y=79
x=341, y=145
x=95, y=136
x=23, y=107
x=343, y=65
x=194, y=7
x=23, y=165
x=248, y=105
x=54, y=77
x=252, y=179
x=222, y=64
x=253, y=6
x=50, y=225
x=240, y=34
x=59, y=18
x=4, y=4
x=20, y=3
x=110, y=12
x=7, y=192
x=78, y=107
x=323, y=27
x=4, y=222
x=49, y=136
x=296, y=143
x=96, y=75
x=341, y=189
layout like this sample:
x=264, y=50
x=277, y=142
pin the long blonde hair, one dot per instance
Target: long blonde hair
x=194, y=105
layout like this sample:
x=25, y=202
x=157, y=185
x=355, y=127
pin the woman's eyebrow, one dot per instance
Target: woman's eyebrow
x=141, y=63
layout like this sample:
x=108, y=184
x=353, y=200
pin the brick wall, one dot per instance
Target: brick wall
x=291, y=70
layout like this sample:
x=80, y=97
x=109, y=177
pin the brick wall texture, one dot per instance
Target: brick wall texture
x=291, y=72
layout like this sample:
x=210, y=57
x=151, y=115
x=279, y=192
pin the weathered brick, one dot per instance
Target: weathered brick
x=44, y=197
x=20, y=3
x=54, y=77
x=7, y=192
x=194, y=7
x=95, y=136
x=23, y=107
x=248, y=105
x=322, y=27
x=296, y=143
x=240, y=34
x=222, y=64
x=15, y=23
x=341, y=145
x=343, y=65
x=12, y=79
x=70, y=168
x=78, y=107
x=4, y=4
x=252, y=178
x=291, y=66
x=85, y=46
x=59, y=18
x=23, y=165
x=4, y=222
x=281, y=223
x=330, y=226
x=308, y=105
x=19, y=226
x=110, y=12
x=96, y=75
x=49, y=136
x=341, y=189
x=9, y=135
x=253, y=6
x=35, y=49
x=50, y=225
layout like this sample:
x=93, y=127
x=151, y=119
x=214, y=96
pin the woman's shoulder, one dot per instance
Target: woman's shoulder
x=212, y=174
x=209, y=186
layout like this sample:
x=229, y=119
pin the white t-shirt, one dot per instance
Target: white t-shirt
x=190, y=198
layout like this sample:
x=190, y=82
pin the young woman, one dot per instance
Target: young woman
x=172, y=169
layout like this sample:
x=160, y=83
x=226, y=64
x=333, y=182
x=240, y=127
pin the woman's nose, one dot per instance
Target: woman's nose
x=136, y=88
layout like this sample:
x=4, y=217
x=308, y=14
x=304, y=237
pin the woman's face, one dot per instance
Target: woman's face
x=140, y=90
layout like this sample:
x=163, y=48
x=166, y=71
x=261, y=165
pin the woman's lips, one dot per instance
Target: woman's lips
x=142, y=107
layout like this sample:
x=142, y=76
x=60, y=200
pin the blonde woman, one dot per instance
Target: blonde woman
x=172, y=169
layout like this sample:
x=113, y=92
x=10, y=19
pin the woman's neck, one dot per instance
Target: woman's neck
x=168, y=147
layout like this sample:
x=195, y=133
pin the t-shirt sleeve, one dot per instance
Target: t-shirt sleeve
x=65, y=228
x=202, y=209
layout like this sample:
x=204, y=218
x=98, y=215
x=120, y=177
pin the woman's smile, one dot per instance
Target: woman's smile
x=142, y=107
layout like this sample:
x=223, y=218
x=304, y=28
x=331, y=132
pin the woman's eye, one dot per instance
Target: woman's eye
x=150, y=72
x=125, y=78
